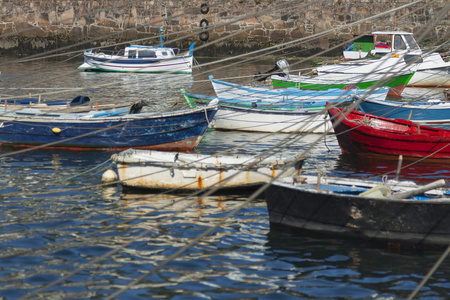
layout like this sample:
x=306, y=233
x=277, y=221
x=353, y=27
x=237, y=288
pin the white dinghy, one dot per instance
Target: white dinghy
x=188, y=171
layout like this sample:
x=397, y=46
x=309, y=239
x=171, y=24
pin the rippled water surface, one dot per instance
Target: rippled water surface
x=64, y=236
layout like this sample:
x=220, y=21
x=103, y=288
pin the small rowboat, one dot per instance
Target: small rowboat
x=115, y=129
x=400, y=213
x=430, y=112
x=232, y=91
x=396, y=81
x=360, y=133
x=265, y=116
x=189, y=171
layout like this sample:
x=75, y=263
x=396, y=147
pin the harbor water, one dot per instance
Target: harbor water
x=63, y=235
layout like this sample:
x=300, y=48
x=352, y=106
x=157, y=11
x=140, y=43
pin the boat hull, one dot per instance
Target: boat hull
x=431, y=78
x=94, y=62
x=396, y=83
x=408, y=222
x=175, y=131
x=235, y=92
x=431, y=71
x=423, y=113
x=359, y=133
x=184, y=171
x=197, y=99
x=265, y=120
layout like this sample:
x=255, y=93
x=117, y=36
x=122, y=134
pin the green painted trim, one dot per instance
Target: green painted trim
x=392, y=82
x=189, y=100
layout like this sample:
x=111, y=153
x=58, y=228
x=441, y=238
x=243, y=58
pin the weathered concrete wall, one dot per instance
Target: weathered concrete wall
x=235, y=26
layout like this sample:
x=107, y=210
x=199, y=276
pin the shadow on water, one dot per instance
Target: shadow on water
x=365, y=167
x=350, y=269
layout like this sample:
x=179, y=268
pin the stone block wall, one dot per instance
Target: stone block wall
x=234, y=26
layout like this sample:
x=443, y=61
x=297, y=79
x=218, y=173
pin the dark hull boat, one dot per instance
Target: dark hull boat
x=337, y=209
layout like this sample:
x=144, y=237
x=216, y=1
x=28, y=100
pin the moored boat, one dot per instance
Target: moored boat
x=140, y=59
x=431, y=69
x=310, y=120
x=430, y=112
x=198, y=99
x=285, y=117
x=360, y=133
x=396, y=81
x=232, y=91
x=34, y=102
x=114, y=129
x=190, y=171
x=400, y=213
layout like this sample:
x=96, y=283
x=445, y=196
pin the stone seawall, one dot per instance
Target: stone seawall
x=231, y=27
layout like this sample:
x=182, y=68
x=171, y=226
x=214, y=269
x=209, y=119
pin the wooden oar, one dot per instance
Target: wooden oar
x=408, y=194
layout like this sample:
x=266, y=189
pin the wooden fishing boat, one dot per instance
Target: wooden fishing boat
x=236, y=92
x=138, y=58
x=430, y=112
x=432, y=70
x=268, y=117
x=396, y=81
x=198, y=99
x=34, y=102
x=190, y=171
x=308, y=120
x=115, y=129
x=400, y=213
x=361, y=133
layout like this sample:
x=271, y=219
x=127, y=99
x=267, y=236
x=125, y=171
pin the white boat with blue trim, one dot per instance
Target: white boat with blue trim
x=243, y=93
x=140, y=59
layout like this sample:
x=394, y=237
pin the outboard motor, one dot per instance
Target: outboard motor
x=281, y=68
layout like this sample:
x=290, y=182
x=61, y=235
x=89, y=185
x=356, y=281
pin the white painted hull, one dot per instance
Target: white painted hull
x=355, y=54
x=94, y=62
x=389, y=64
x=433, y=71
x=264, y=120
x=185, y=171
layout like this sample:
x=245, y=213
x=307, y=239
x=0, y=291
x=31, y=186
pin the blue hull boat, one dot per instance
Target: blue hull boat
x=114, y=129
x=78, y=100
x=431, y=112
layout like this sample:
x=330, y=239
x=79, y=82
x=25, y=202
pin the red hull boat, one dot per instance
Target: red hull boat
x=359, y=133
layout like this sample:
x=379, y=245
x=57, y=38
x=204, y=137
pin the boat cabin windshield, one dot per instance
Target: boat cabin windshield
x=411, y=42
x=403, y=42
x=135, y=52
x=147, y=53
x=132, y=54
x=399, y=44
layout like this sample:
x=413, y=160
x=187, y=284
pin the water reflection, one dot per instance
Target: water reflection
x=55, y=211
x=367, y=166
x=369, y=269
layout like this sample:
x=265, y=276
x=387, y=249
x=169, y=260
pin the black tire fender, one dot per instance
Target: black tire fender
x=204, y=8
x=204, y=36
x=204, y=23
